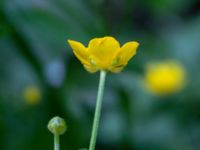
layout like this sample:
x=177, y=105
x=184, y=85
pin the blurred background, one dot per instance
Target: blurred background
x=40, y=77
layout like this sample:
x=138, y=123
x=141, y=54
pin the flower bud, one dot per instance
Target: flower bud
x=57, y=125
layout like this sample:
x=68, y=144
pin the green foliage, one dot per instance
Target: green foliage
x=34, y=52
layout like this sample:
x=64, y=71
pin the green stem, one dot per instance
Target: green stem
x=56, y=142
x=97, y=110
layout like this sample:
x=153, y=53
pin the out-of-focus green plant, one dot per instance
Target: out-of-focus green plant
x=33, y=53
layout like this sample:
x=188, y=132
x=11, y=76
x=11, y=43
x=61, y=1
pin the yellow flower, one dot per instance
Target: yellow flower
x=165, y=77
x=104, y=54
x=32, y=95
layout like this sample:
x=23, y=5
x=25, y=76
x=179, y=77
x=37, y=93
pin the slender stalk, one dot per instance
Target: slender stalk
x=56, y=142
x=97, y=110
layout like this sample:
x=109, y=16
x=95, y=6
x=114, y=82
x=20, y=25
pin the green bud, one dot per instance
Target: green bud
x=57, y=125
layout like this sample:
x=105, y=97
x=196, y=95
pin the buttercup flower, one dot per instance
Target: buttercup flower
x=32, y=95
x=104, y=54
x=164, y=78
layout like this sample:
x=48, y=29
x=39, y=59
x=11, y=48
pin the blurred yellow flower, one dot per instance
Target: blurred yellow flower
x=165, y=77
x=104, y=54
x=32, y=95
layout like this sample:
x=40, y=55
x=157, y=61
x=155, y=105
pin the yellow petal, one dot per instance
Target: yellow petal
x=116, y=69
x=80, y=51
x=127, y=51
x=103, y=50
x=90, y=68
